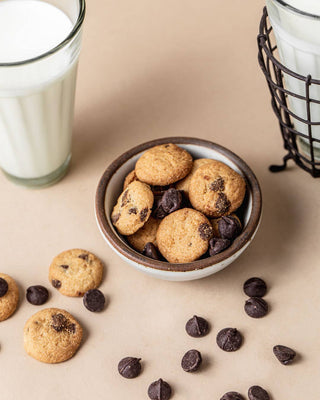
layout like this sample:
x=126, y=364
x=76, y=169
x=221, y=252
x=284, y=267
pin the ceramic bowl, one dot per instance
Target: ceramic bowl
x=110, y=187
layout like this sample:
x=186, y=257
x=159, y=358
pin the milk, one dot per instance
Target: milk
x=298, y=41
x=37, y=96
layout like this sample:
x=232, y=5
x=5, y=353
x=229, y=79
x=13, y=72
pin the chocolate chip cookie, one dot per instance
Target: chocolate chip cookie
x=183, y=236
x=52, y=335
x=74, y=272
x=164, y=164
x=133, y=208
x=131, y=177
x=216, y=189
x=9, y=296
x=146, y=234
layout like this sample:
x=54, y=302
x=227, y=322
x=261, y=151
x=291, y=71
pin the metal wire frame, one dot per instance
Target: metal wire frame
x=274, y=73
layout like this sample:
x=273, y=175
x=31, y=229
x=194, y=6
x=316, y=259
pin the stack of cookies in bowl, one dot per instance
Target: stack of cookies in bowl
x=179, y=209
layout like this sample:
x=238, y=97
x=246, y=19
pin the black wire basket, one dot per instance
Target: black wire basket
x=301, y=145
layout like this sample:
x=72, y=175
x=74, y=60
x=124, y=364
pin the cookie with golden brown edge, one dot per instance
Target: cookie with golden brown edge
x=183, y=235
x=74, y=272
x=163, y=165
x=131, y=177
x=216, y=189
x=9, y=296
x=146, y=234
x=184, y=183
x=133, y=208
x=52, y=335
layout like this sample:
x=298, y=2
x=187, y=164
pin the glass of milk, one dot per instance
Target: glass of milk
x=39, y=52
x=296, y=26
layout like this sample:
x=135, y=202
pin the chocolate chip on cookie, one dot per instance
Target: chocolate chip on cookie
x=164, y=164
x=10, y=296
x=133, y=208
x=146, y=234
x=183, y=236
x=74, y=272
x=216, y=189
x=184, y=183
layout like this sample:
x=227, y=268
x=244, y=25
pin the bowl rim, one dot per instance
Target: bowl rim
x=131, y=254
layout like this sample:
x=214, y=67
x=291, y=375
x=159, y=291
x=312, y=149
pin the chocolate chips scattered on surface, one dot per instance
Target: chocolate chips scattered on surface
x=229, y=339
x=255, y=287
x=94, y=300
x=56, y=284
x=284, y=354
x=258, y=393
x=197, y=326
x=150, y=251
x=159, y=390
x=129, y=367
x=217, y=245
x=232, y=396
x=37, y=295
x=3, y=287
x=256, y=307
x=191, y=361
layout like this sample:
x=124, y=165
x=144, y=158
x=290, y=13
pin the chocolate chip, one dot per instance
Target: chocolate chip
x=191, y=361
x=94, y=300
x=158, y=211
x=229, y=339
x=150, y=251
x=64, y=266
x=61, y=323
x=159, y=390
x=284, y=354
x=37, y=295
x=255, y=287
x=256, y=307
x=124, y=199
x=217, y=185
x=257, y=393
x=205, y=231
x=197, y=326
x=133, y=210
x=3, y=287
x=217, y=245
x=56, y=284
x=115, y=218
x=232, y=396
x=229, y=227
x=222, y=204
x=129, y=367
x=171, y=200
x=143, y=214
x=84, y=256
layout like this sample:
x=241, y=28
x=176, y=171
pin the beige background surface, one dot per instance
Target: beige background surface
x=150, y=69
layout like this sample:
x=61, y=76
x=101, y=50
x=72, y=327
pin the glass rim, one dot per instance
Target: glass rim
x=72, y=34
x=296, y=10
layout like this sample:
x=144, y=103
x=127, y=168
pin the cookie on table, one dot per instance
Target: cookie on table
x=73, y=272
x=183, y=235
x=131, y=177
x=52, y=335
x=146, y=234
x=133, y=208
x=9, y=296
x=163, y=165
x=184, y=183
x=216, y=189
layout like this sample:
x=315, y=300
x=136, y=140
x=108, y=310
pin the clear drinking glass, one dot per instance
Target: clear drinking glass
x=296, y=26
x=36, y=107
